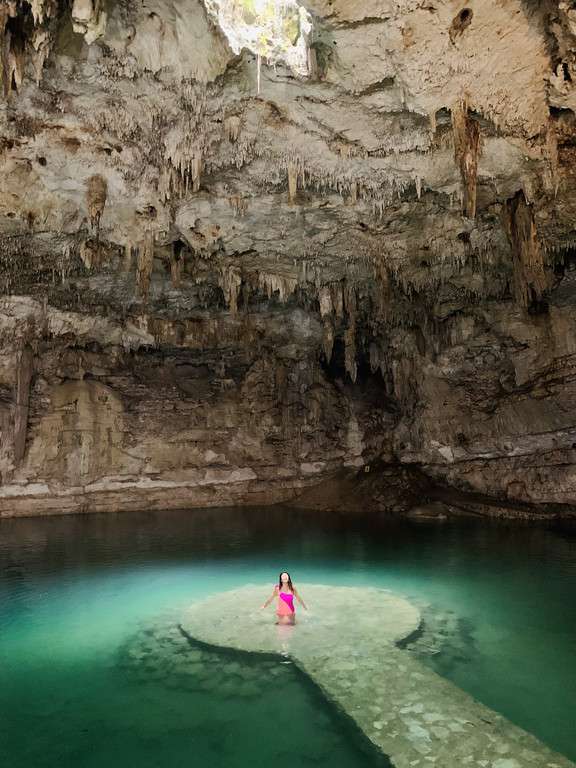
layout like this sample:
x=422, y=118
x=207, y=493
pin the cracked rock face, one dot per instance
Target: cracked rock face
x=228, y=274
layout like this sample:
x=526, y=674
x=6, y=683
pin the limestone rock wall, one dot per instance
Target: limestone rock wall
x=125, y=417
x=494, y=409
x=225, y=279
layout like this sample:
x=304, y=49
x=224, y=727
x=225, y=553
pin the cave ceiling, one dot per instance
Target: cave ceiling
x=137, y=134
x=311, y=233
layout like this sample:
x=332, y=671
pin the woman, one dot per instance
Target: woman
x=286, y=592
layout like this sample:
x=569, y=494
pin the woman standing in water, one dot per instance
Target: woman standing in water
x=286, y=592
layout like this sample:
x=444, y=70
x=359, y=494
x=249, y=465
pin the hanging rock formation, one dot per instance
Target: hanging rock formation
x=466, y=151
x=236, y=274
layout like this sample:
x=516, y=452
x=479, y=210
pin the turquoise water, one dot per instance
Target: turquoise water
x=75, y=591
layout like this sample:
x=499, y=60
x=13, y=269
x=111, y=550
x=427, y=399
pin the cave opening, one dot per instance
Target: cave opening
x=275, y=30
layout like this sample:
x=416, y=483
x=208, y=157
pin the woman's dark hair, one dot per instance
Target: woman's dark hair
x=289, y=580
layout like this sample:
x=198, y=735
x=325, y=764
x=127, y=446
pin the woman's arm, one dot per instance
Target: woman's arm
x=274, y=591
x=297, y=596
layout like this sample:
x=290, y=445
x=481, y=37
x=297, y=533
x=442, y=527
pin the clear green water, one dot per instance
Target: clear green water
x=74, y=590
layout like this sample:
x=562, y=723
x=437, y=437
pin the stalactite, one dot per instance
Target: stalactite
x=181, y=178
x=314, y=71
x=90, y=252
x=337, y=294
x=344, y=150
x=7, y=11
x=176, y=262
x=41, y=44
x=531, y=279
x=144, y=265
x=231, y=282
x=25, y=29
x=345, y=175
x=13, y=46
x=327, y=338
x=467, y=149
x=96, y=193
x=551, y=149
x=325, y=300
x=196, y=167
x=126, y=265
x=350, y=350
x=272, y=283
x=418, y=182
x=354, y=192
x=292, y=181
x=239, y=204
x=37, y=8
x=374, y=357
x=559, y=249
x=24, y=371
x=403, y=376
x=16, y=60
x=232, y=128
x=185, y=148
x=350, y=332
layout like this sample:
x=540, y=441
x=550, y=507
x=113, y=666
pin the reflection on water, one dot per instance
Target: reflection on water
x=498, y=598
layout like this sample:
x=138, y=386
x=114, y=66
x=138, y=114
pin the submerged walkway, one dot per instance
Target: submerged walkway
x=347, y=643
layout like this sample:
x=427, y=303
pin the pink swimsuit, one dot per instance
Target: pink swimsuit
x=285, y=604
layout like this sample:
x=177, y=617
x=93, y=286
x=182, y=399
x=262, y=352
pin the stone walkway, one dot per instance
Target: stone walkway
x=347, y=644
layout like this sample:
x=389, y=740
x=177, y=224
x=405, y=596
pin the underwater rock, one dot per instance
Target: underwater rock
x=351, y=649
x=163, y=655
x=444, y=640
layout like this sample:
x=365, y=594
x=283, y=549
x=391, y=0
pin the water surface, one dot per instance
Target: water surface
x=75, y=591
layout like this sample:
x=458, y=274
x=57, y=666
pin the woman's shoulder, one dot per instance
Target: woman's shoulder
x=275, y=587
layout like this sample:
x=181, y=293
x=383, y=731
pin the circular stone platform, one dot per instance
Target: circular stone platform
x=357, y=619
x=347, y=644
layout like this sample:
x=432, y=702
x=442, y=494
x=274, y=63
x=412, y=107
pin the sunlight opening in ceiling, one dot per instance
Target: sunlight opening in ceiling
x=275, y=30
